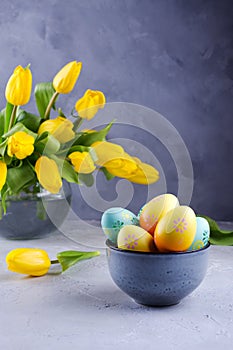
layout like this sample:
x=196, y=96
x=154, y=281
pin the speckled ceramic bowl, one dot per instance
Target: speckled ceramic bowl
x=157, y=279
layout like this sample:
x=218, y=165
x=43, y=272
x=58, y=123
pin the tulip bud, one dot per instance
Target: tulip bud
x=88, y=105
x=82, y=162
x=123, y=167
x=20, y=144
x=60, y=128
x=3, y=173
x=66, y=78
x=48, y=174
x=19, y=86
x=28, y=261
x=146, y=174
x=106, y=151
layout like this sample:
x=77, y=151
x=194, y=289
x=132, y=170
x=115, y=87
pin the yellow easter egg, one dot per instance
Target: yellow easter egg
x=176, y=230
x=155, y=209
x=135, y=238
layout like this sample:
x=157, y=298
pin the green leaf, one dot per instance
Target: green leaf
x=71, y=257
x=19, y=127
x=2, y=124
x=8, y=111
x=78, y=148
x=7, y=159
x=47, y=144
x=68, y=173
x=107, y=174
x=3, y=146
x=87, y=179
x=31, y=121
x=43, y=94
x=218, y=236
x=41, y=213
x=60, y=113
x=4, y=193
x=66, y=169
x=19, y=178
x=87, y=139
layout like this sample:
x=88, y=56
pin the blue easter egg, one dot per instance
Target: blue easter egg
x=113, y=219
x=202, y=235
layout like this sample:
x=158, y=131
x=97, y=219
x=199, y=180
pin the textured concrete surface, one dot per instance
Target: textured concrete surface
x=83, y=309
x=173, y=56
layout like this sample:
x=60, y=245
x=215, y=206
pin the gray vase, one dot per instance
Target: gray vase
x=31, y=216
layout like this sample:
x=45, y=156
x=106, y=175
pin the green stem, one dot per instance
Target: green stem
x=77, y=123
x=13, y=115
x=53, y=262
x=50, y=105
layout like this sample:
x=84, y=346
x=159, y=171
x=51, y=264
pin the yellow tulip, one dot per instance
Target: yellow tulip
x=66, y=78
x=88, y=105
x=28, y=261
x=3, y=173
x=119, y=163
x=19, y=86
x=20, y=144
x=145, y=174
x=107, y=151
x=122, y=167
x=82, y=162
x=48, y=174
x=60, y=128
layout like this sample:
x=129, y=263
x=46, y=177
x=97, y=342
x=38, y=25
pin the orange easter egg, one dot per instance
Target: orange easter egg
x=155, y=209
x=176, y=230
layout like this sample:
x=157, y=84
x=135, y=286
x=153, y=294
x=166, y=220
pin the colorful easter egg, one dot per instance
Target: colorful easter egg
x=135, y=238
x=113, y=219
x=176, y=230
x=155, y=209
x=202, y=234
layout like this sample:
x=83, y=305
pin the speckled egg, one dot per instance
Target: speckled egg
x=176, y=230
x=135, y=238
x=202, y=234
x=155, y=209
x=113, y=219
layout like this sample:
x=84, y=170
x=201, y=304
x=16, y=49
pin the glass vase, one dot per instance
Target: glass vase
x=35, y=215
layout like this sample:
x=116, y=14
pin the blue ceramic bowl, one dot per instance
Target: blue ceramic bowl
x=157, y=279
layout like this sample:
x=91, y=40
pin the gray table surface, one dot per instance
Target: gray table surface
x=83, y=309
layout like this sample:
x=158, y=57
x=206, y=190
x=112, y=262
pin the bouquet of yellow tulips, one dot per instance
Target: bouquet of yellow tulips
x=37, y=151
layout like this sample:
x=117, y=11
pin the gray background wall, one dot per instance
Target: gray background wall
x=173, y=56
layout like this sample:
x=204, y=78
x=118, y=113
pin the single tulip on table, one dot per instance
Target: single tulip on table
x=35, y=262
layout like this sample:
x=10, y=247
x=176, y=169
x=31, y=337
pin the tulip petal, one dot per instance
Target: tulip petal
x=48, y=174
x=107, y=151
x=28, y=261
x=88, y=105
x=60, y=128
x=3, y=174
x=145, y=174
x=82, y=162
x=66, y=78
x=19, y=86
x=20, y=144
